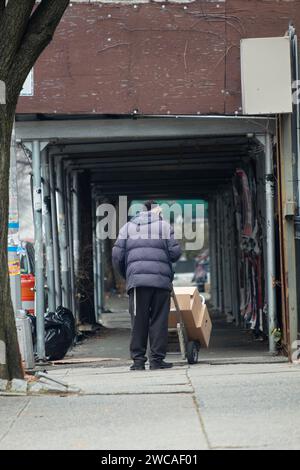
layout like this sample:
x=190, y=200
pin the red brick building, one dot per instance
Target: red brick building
x=173, y=57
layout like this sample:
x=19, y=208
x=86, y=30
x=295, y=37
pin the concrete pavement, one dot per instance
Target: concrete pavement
x=228, y=343
x=249, y=406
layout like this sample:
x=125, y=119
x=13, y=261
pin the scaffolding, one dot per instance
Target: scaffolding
x=78, y=162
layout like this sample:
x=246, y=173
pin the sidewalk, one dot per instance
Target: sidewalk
x=229, y=344
x=238, y=396
x=199, y=407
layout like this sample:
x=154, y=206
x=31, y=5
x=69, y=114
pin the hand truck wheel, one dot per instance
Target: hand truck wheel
x=192, y=352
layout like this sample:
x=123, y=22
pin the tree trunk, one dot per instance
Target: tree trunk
x=26, y=30
x=8, y=334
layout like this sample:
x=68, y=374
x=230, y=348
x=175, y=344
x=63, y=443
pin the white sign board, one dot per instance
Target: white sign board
x=266, y=76
x=28, y=87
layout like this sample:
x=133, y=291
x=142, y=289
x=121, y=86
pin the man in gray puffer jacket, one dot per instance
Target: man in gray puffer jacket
x=143, y=254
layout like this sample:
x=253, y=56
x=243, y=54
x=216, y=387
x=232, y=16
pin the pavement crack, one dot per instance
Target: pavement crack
x=123, y=394
x=13, y=422
x=256, y=373
x=197, y=409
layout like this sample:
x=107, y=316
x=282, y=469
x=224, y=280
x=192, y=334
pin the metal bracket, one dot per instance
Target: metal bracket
x=290, y=209
x=28, y=145
x=261, y=138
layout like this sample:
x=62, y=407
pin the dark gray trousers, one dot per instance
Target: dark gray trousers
x=149, y=308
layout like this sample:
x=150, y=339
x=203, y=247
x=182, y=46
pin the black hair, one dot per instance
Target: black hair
x=151, y=204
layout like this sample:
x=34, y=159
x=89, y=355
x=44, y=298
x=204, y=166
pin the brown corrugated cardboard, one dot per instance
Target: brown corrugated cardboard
x=184, y=296
x=194, y=314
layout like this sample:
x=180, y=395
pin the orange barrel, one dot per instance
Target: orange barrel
x=28, y=293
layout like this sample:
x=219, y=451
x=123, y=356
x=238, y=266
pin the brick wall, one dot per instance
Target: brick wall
x=179, y=57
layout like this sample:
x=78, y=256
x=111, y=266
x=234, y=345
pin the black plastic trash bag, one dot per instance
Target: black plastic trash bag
x=59, y=333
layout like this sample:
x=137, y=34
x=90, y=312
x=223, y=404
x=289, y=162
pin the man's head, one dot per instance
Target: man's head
x=150, y=205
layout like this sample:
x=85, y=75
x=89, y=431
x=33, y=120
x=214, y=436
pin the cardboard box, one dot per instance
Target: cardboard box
x=194, y=314
x=184, y=296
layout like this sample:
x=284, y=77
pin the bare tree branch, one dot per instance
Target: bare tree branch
x=38, y=35
x=13, y=23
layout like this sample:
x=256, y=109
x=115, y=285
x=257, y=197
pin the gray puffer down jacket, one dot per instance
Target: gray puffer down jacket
x=145, y=251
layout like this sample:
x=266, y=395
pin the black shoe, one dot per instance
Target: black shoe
x=137, y=366
x=160, y=365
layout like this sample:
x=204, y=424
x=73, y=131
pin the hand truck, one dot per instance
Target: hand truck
x=189, y=349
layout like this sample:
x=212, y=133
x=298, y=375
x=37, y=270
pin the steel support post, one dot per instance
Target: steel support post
x=296, y=156
x=234, y=264
x=39, y=252
x=270, y=236
x=228, y=271
x=102, y=278
x=76, y=238
x=56, y=257
x=48, y=231
x=62, y=235
x=99, y=277
x=219, y=251
x=210, y=246
x=212, y=254
x=288, y=202
x=98, y=247
x=98, y=285
x=100, y=272
x=75, y=220
x=215, y=246
x=223, y=248
x=95, y=268
x=70, y=241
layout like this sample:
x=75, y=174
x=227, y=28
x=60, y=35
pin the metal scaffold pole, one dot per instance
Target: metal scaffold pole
x=219, y=254
x=99, y=276
x=75, y=220
x=234, y=264
x=95, y=268
x=213, y=258
x=39, y=252
x=270, y=235
x=227, y=267
x=76, y=240
x=215, y=247
x=62, y=234
x=48, y=231
x=223, y=254
x=70, y=240
x=288, y=204
x=56, y=259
